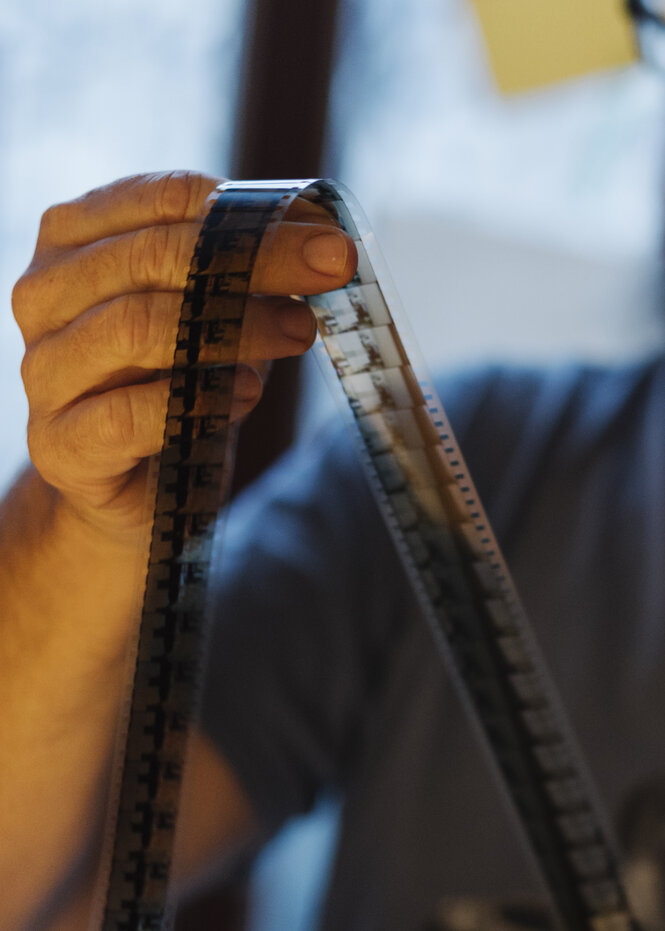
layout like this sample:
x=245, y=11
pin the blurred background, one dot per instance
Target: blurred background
x=523, y=227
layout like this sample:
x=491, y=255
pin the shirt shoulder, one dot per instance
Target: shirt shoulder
x=520, y=427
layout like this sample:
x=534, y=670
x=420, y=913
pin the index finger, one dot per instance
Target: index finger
x=124, y=206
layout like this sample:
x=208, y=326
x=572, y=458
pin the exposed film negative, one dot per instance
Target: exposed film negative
x=432, y=510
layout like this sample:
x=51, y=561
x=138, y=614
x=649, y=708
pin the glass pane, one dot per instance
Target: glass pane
x=655, y=6
x=526, y=226
x=652, y=44
x=92, y=92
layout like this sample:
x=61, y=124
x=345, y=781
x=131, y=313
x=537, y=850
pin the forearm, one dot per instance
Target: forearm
x=67, y=601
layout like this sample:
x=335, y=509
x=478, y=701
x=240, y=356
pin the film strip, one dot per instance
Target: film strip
x=193, y=475
x=441, y=530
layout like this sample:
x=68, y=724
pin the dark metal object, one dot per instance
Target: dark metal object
x=282, y=104
x=641, y=12
x=280, y=133
x=649, y=20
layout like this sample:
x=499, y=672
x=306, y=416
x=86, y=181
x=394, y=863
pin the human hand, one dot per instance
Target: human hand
x=98, y=308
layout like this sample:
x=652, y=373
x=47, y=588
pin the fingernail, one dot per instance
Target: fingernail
x=326, y=253
x=246, y=385
x=297, y=322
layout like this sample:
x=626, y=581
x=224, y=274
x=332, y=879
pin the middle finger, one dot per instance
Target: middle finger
x=128, y=338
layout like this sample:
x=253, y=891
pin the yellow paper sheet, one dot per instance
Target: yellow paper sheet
x=532, y=43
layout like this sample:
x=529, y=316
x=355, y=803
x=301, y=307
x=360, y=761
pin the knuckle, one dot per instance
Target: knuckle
x=150, y=256
x=20, y=296
x=53, y=220
x=176, y=194
x=27, y=372
x=116, y=421
x=37, y=367
x=129, y=326
x=25, y=296
x=97, y=265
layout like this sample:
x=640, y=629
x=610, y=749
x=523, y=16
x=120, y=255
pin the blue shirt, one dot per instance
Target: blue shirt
x=324, y=674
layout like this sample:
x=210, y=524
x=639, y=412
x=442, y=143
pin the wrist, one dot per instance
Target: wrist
x=73, y=586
